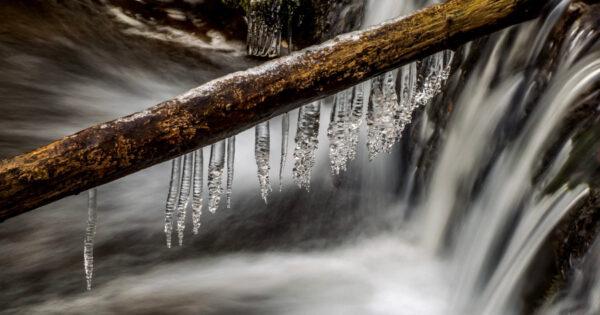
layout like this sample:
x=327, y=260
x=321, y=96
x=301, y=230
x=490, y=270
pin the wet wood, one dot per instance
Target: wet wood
x=231, y=104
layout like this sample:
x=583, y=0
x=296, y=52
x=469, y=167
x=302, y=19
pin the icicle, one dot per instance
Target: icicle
x=264, y=28
x=420, y=83
x=184, y=195
x=215, y=172
x=230, y=164
x=290, y=11
x=197, y=201
x=172, y=198
x=90, y=233
x=306, y=143
x=433, y=73
x=262, y=151
x=382, y=116
x=339, y=131
x=356, y=119
x=285, y=133
x=448, y=60
x=408, y=79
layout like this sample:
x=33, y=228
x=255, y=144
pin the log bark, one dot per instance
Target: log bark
x=229, y=105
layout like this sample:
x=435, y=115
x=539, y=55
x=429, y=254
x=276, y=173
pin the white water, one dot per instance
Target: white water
x=360, y=279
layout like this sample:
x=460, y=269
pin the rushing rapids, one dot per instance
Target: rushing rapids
x=491, y=152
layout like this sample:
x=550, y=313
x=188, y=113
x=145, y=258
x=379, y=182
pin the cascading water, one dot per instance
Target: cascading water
x=449, y=222
x=494, y=234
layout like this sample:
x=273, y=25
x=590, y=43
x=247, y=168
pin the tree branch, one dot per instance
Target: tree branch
x=231, y=104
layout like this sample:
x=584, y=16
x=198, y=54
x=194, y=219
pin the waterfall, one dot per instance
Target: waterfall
x=483, y=210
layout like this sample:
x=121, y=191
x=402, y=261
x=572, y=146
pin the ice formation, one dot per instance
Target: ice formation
x=265, y=27
x=262, y=152
x=90, y=233
x=215, y=174
x=230, y=165
x=172, y=198
x=285, y=134
x=197, y=183
x=183, y=195
x=307, y=141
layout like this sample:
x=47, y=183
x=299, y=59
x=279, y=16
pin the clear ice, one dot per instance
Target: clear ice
x=339, y=131
x=264, y=27
x=356, y=119
x=172, y=198
x=230, y=164
x=391, y=102
x=383, y=115
x=183, y=196
x=388, y=114
x=262, y=152
x=197, y=201
x=307, y=140
x=285, y=134
x=433, y=72
x=215, y=174
x=90, y=233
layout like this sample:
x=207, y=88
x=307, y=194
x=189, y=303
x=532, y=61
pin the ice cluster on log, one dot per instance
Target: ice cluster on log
x=390, y=100
x=387, y=104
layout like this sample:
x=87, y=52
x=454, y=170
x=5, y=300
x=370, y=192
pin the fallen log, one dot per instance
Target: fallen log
x=229, y=105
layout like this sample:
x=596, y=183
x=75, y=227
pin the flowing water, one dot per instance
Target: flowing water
x=455, y=219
